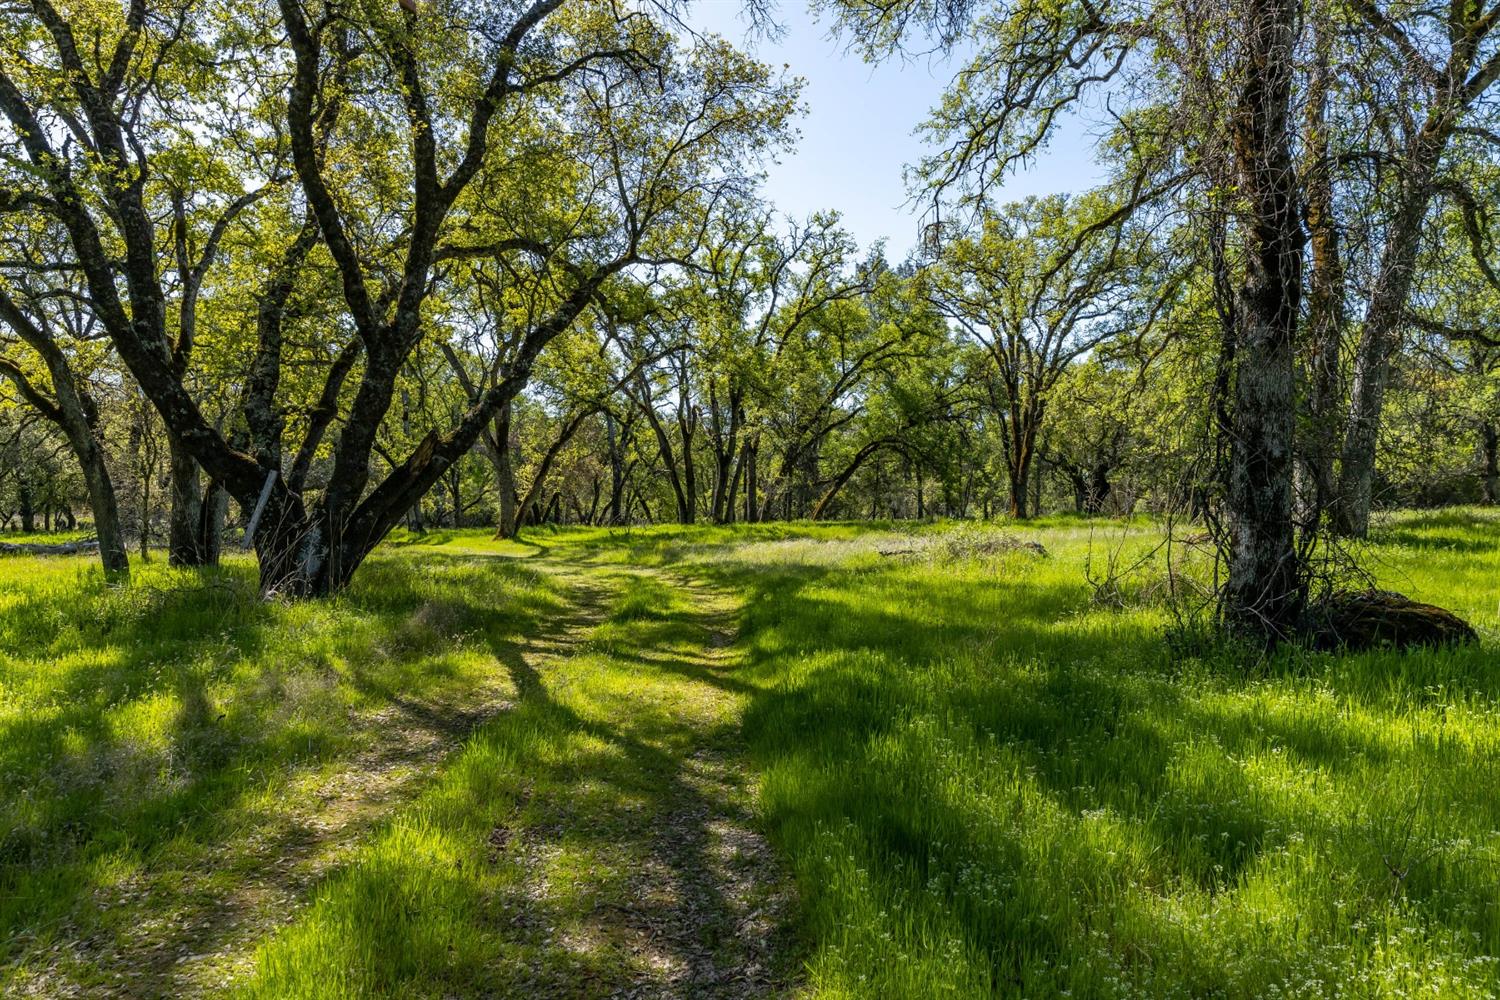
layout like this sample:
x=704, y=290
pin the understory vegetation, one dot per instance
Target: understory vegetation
x=832, y=760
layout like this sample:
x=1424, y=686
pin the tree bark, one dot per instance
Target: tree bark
x=1380, y=336
x=1468, y=73
x=1264, y=593
x=1489, y=480
x=1325, y=305
x=614, y=511
x=727, y=457
x=28, y=506
x=185, y=525
x=214, y=511
x=751, y=483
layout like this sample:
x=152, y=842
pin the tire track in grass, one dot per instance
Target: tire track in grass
x=596, y=841
x=412, y=742
x=709, y=902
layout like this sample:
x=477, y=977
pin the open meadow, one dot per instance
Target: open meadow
x=821, y=761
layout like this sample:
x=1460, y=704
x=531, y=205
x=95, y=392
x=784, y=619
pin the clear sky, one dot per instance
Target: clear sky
x=858, y=134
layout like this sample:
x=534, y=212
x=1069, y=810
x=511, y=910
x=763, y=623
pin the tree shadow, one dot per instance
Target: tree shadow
x=679, y=921
x=895, y=705
x=184, y=764
x=602, y=833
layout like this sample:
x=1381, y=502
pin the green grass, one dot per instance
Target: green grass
x=980, y=782
x=531, y=866
x=986, y=786
x=79, y=534
x=159, y=745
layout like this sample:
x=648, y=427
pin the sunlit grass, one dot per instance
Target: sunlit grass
x=988, y=785
x=61, y=535
x=156, y=741
x=510, y=875
x=984, y=780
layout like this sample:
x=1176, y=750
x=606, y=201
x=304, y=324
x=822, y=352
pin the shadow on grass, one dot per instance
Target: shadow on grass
x=988, y=785
x=155, y=745
x=594, y=840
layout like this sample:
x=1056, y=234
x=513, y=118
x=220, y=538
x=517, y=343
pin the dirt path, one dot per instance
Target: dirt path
x=410, y=741
x=681, y=896
x=696, y=903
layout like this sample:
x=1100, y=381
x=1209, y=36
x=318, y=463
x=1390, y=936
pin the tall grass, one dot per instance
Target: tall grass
x=984, y=781
x=987, y=786
x=156, y=741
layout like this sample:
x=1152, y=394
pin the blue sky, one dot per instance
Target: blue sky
x=858, y=133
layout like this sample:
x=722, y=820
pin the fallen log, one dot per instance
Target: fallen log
x=1372, y=619
x=45, y=549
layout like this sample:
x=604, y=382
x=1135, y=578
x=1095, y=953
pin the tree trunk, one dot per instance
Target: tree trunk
x=593, y=514
x=734, y=486
x=1325, y=305
x=1080, y=484
x=1379, y=338
x=505, y=475
x=689, y=475
x=145, y=519
x=25, y=498
x=1019, y=489
x=1264, y=593
x=106, y=512
x=184, y=533
x=76, y=415
x=528, y=504
x=847, y=473
x=1489, y=440
x=1024, y=421
x=668, y=458
x=1036, y=492
x=751, y=483
x=616, y=470
x=1100, y=488
x=215, y=509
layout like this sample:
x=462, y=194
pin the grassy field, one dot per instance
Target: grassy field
x=832, y=761
x=80, y=534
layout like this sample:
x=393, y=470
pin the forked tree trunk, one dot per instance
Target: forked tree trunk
x=1020, y=451
x=1019, y=491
